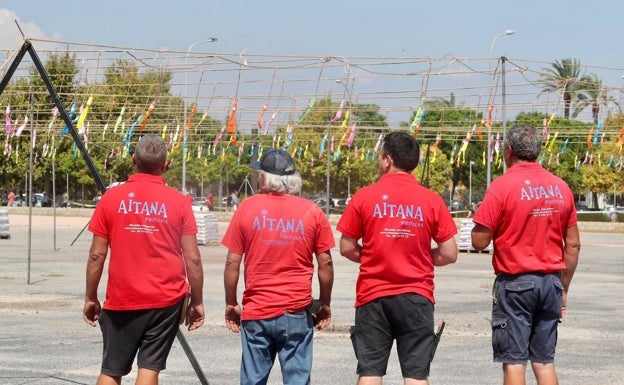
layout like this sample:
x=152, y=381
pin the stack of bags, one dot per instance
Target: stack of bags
x=207, y=229
x=5, y=232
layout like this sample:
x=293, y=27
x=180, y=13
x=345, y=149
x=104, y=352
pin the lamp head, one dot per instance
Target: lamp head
x=509, y=32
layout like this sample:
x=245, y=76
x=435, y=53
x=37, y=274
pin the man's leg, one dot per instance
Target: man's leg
x=514, y=374
x=147, y=377
x=105, y=379
x=413, y=381
x=369, y=380
x=545, y=373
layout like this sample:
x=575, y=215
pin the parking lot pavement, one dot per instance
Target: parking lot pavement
x=43, y=339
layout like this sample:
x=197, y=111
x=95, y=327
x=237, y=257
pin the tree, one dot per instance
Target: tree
x=562, y=77
x=591, y=93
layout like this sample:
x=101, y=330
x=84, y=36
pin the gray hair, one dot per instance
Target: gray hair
x=150, y=154
x=281, y=184
x=525, y=142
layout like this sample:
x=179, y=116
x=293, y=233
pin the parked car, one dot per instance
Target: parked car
x=457, y=206
x=37, y=198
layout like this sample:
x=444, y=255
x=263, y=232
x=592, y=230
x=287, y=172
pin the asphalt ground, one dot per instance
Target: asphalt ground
x=43, y=339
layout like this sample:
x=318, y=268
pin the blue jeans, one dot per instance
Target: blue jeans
x=288, y=335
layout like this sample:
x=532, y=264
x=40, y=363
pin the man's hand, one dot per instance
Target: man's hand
x=91, y=311
x=232, y=317
x=322, y=318
x=194, y=316
x=564, y=304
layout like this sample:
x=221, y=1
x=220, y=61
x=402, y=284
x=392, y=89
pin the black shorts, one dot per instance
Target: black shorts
x=149, y=332
x=525, y=315
x=406, y=318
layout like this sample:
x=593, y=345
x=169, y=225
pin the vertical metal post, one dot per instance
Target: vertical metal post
x=504, y=106
x=29, y=195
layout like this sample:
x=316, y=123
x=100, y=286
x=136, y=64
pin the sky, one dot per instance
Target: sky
x=544, y=31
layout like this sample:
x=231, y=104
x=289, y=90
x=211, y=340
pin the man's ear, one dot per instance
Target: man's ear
x=133, y=160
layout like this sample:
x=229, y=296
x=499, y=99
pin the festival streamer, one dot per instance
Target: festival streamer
x=8, y=119
x=418, y=118
x=620, y=140
x=83, y=115
x=128, y=137
x=150, y=109
x=552, y=142
x=219, y=135
x=190, y=118
x=233, y=141
x=289, y=136
x=119, y=119
x=175, y=141
x=72, y=111
x=269, y=123
x=597, y=133
x=261, y=116
x=378, y=142
x=550, y=120
x=350, y=135
x=204, y=116
x=438, y=141
x=322, y=146
x=589, y=138
x=21, y=128
x=481, y=125
x=338, y=114
x=565, y=146
x=307, y=112
x=231, y=125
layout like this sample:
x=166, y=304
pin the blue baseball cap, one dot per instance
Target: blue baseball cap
x=277, y=162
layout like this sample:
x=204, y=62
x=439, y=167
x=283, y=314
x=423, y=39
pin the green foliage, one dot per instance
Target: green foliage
x=563, y=77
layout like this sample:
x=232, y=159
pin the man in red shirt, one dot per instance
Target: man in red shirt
x=151, y=231
x=529, y=213
x=397, y=219
x=278, y=233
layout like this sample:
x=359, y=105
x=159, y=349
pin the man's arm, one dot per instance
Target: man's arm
x=326, y=282
x=445, y=253
x=481, y=237
x=350, y=249
x=572, y=247
x=95, y=267
x=195, y=274
x=230, y=283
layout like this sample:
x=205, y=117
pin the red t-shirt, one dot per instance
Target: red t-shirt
x=397, y=219
x=144, y=221
x=528, y=211
x=278, y=234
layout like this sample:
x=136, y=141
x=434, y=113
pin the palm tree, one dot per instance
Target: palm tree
x=563, y=76
x=591, y=93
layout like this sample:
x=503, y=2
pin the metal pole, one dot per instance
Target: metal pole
x=328, y=168
x=489, y=129
x=470, y=184
x=184, y=134
x=504, y=104
x=30, y=193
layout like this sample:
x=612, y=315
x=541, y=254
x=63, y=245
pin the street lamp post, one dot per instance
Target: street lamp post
x=184, y=137
x=489, y=129
x=470, y=184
